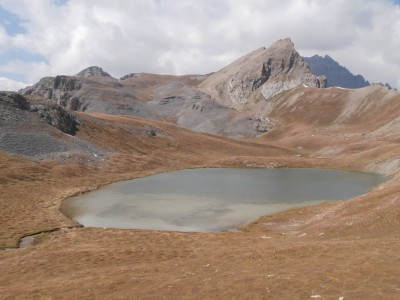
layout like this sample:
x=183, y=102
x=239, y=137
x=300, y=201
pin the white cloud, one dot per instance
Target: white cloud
x=10, y=85
x=31, y=70
x=183, y=36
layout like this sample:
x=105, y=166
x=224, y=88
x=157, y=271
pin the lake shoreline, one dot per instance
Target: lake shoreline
x=237, y=186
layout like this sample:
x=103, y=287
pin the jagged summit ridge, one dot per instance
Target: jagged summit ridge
x=262, y=73
x=336, y=74
x=93, y=71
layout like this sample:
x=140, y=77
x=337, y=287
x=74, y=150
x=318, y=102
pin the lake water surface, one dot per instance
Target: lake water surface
x=212, y=199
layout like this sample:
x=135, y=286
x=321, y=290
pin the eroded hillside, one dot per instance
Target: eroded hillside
x=221, y=103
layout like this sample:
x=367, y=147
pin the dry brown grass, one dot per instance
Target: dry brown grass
x=338, y=249
x=31, y=192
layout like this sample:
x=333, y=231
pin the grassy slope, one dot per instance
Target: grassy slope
x=347, y=249
x=31, y=192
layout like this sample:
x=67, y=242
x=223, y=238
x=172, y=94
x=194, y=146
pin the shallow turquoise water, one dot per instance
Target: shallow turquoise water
x=212, y=199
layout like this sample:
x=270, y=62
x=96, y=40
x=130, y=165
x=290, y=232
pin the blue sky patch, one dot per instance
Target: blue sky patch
x=60, y=2
x=11, y=22
x=13, y=76
x=22, y=56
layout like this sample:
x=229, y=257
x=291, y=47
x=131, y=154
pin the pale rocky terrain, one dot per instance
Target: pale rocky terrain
x=72, y=134
x=261, y=75
x=219, y=103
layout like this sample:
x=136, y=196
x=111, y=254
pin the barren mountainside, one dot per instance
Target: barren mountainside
x=209, y=103
x=235, y=101
x=260, y=75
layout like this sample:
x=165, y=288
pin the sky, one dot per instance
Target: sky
x=53, y=37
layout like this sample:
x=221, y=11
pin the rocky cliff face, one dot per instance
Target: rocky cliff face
x=64, y=90
x=336, y=74
x=34, y=127
x=264, y=72
x=90, y=92
x=49, y=112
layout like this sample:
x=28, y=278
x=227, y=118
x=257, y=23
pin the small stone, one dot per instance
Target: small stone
x=265, y=237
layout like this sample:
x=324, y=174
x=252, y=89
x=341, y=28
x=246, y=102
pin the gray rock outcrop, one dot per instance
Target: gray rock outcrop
x=15, y=100
x=64, y=90
x=49, y=112
x=275, y=87
x=93, y=71
x=131, y=75
x=264, y=72
x=56, y=116
x=90, y=94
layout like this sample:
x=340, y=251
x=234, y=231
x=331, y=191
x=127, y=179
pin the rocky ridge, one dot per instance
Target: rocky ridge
x=90, y=94
x=231, y=102
x=174, y=99
x=265, y=72
x=336, y=74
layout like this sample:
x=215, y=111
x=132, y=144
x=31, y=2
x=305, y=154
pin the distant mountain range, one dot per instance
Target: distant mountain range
x=228, y=102
x=233, y=102
x=336, y=74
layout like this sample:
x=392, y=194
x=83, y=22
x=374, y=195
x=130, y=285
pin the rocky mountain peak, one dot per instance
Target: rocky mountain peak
x=336, y=74
x=93, y=71
x=262, y=73
x=283, y=43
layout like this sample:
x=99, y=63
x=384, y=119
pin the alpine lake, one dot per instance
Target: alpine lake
x=205, y=200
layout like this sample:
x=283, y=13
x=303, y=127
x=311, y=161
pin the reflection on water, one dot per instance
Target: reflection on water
x=212, y=199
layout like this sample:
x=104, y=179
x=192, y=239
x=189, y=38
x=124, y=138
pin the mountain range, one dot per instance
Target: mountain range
x=68, y=135
x=226, y=102
x=246, y=99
